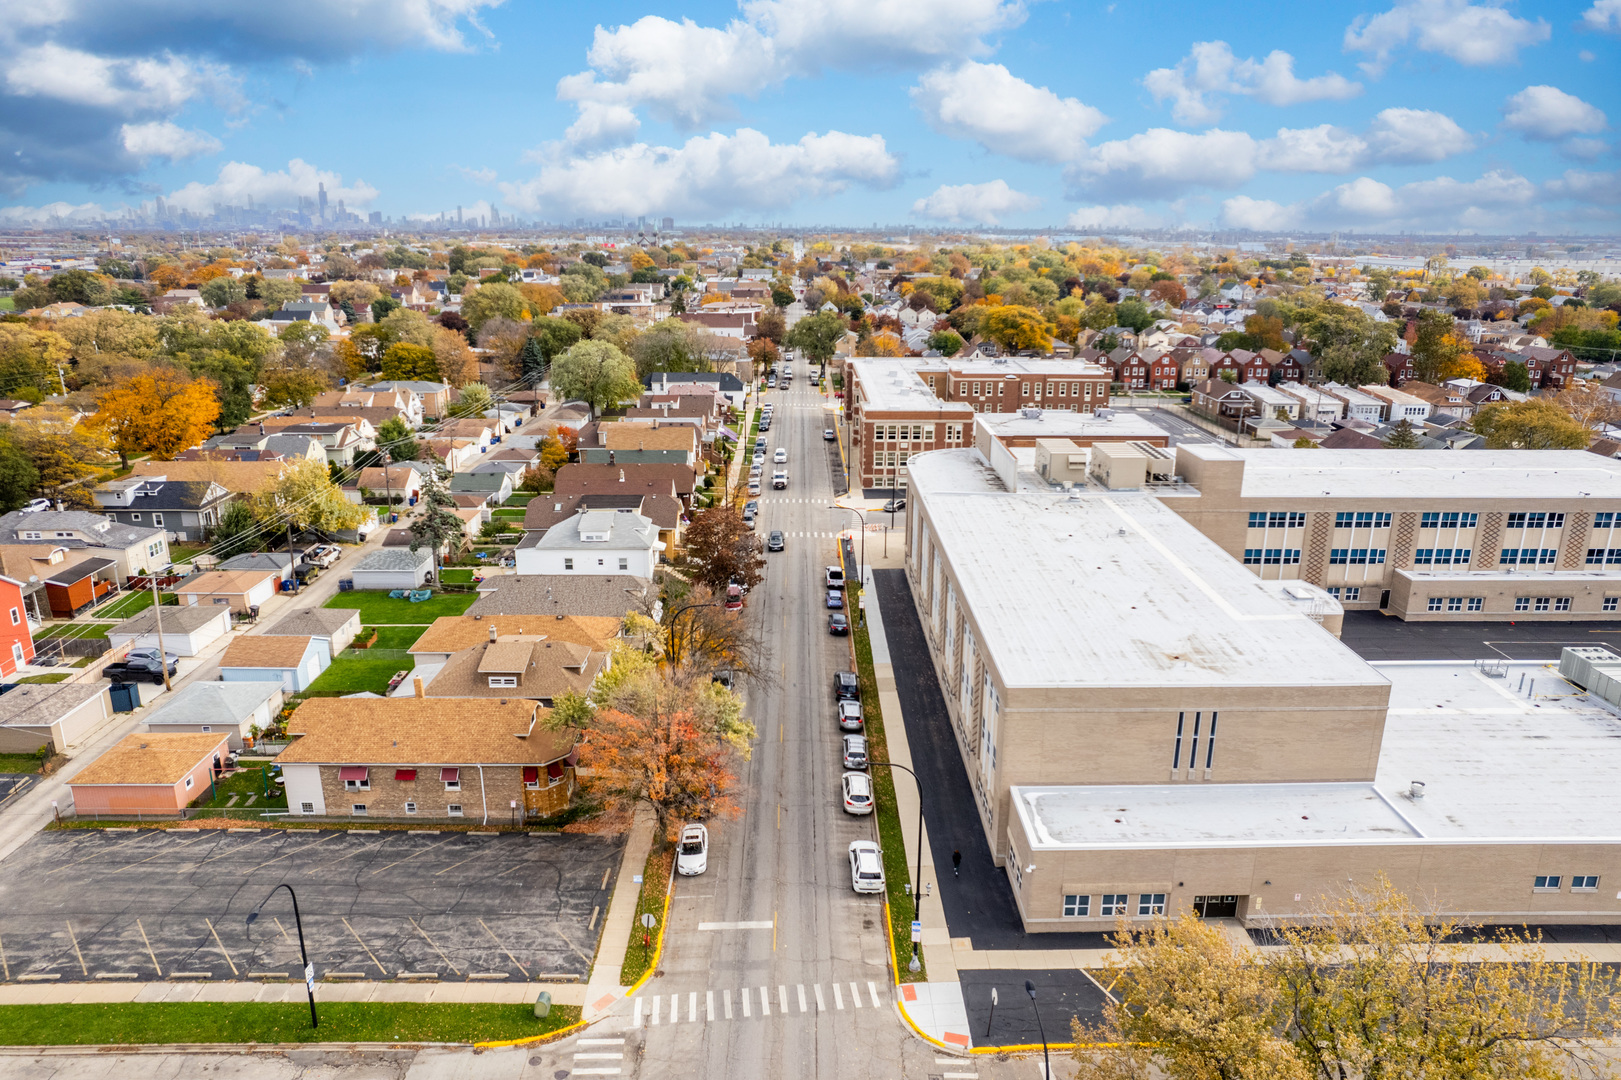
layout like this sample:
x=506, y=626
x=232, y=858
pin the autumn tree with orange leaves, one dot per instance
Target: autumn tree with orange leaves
x=666, y=742
x=159, y=412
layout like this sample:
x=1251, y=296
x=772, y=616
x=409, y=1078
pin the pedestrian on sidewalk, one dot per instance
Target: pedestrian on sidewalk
x=956, y=862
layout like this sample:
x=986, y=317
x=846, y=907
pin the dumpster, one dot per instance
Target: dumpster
x=126, y=696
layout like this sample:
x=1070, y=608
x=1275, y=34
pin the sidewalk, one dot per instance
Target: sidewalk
x=603, y=988
x=522, y=993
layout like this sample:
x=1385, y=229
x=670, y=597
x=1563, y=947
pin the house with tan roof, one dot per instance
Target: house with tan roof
x=293, y=660
x=451, y=634
x=241, y=477
x=639, y=442
x=516, y=665
x=149, y=773
x=241, y=590
x=420, y=758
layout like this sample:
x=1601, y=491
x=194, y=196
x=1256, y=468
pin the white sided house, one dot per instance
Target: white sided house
x=594, y=542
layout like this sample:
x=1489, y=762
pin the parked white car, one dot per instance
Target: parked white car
x=866, y=867
x=692, y=856
x=323, y=555
x=857, y=793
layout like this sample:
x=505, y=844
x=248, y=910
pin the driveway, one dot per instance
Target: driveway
x=83, y=903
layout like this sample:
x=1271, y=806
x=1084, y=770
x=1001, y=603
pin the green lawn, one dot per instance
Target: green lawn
x=75, y=630
x=376, y=609
x=520, y=498
x=454, y=575
x=241, y=1022
x=132, y=604
x=644, y=944
x=19, y=763
x=182, y=553
x=393, y=637
x=354, y=671
x=248, y=782
x=503, y=513
x=53, y=677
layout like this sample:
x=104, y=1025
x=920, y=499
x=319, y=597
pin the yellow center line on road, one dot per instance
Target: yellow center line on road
x=435, y=945
x=363, y=945
x=76, y=951
x=301, y=849
x=149, y=951
x=413, y=855
x=159, y=855
x=342, y=858
x=221, y=945
x=504, y=949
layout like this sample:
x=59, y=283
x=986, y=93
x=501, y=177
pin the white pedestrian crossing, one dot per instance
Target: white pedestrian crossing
x=653, y=1010
x=593, y=1051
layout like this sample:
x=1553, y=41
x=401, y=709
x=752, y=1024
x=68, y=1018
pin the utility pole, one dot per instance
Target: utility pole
x=292, y=557
x=157, y=613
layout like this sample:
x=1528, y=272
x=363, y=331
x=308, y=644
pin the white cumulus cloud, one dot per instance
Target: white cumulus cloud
x=1548, y=113
x=1210, y=71
x=166, y=139
x=1472, y=34
x=143, y=84
x=1395, y=137
x=1441, y=202
x=1118, y=216
x=237, y=182
x=1604, y=15
x=708, y=174
x=1243, y=212
x=1161, y=162
x=974, y=204
x=1600, y=188
x=1004, y=114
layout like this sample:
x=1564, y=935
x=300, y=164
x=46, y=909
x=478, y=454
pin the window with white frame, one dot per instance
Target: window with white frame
x=410, y=807
x=501, y=682
x=16, y=617
x=1077, y=907
x=1151, y=903
x=1545, y=883
x=157, y=520
x=1113, y=904
x=1522, y=603
x=1352, y=593
x=306, y=808
x=568, y=564
x=1612, y=603
x=358, y=809
x=1561, y=603
x=1584, y=883
x=188, y=783
x=1433, y=604
x=453, y=810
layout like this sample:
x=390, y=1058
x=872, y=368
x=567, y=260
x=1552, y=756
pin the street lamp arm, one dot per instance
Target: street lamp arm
x=917, y=881
x=298, y=921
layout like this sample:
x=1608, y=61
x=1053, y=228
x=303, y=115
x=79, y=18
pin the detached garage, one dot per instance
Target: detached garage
x=63, y=714
x=148, y=774
x=393, y=568
x=294, y=662
x=187, y=631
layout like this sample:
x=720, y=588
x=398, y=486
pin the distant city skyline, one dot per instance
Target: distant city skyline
x=1404, y=115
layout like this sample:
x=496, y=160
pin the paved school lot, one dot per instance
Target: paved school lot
x=173, y=904
x=1376, y=637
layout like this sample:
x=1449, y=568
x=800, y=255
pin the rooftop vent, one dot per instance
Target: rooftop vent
x=1416, y=789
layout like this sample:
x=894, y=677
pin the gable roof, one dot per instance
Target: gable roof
x=453, y=633
x=32, y=704
x=215, y=702
x=224, y=581
x=162, y=758
x=640, y=436
x=266, y=651
x=182, y=619
x=317, y=622
x=423, y=731
x=101, y=531
x=562, y=594
x=544, y=669
x=243, y=477
x=661, y=476
x=395, y=558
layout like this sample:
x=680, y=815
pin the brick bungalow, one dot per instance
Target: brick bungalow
x=149, y=774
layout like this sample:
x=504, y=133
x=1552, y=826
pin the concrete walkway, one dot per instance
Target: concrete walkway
x=603, y=988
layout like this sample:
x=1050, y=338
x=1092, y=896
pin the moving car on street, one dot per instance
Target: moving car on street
x=894, y=506
x=779, y=479
x=692, y=857
x=781, y=456
x=774, y=542
x=829, y=435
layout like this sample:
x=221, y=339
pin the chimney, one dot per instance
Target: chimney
x=492, y=633
x=621, y=476
x=416, y=683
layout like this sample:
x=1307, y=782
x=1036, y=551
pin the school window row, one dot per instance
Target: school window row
x=1079, y=905
x=1578, y=883
x=1356, y=556
x=1456, y=603
x=1271, y=556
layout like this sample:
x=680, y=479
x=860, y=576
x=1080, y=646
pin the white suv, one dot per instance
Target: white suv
x=866, y=867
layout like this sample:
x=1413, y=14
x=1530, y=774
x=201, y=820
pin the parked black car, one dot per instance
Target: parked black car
x=136, y=671
x=846, y=686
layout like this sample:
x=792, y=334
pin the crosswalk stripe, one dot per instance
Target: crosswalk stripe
x=821, y=1006
x=873, y=990
x=838, y=997
x=855, y=998
x=636, y=1015
x=600, y=1042
x=765, y=1001
x=692, y=1007
x=709, y=1004
x=745, y=996
x=658, y=999
x=728, y=998
x=599, y=1057
x=782, y=999
x=802, y=1007
x=614, y=1071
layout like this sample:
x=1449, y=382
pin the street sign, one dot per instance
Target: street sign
x=648, y=920
x=917, y=930
x=993, y=995
x=309, y=977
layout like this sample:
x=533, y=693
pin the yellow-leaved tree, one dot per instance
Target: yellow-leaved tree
x=159, y=412
x=305, y=497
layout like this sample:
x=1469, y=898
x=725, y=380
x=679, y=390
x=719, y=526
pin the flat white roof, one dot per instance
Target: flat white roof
x=1496, y=765
x=1058, y=424
x=1508, y=575
x=1427, y=474
x=894, y=385
x=1113, y=589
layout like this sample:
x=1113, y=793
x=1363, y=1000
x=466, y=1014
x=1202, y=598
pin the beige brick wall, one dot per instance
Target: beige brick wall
x=388, y=796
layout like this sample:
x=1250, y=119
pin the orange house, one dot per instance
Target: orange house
x=149, y=774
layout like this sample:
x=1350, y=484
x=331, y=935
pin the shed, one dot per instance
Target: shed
x=148, y=774
x=293, y=660
x=73, y=588
x=187, y=631
x=63, y=714
x=393, y=568
x=209, y=708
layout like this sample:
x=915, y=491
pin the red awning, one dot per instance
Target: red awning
x=555, y=770
x=573, y=757
x=352, y=772
x=405, y=774
x=531, y=773
x=450, y=776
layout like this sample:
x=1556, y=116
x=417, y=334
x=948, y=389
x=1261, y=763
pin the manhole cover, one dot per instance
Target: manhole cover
x=560, y=1074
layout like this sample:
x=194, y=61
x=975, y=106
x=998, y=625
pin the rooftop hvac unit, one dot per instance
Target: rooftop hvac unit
x=1030, y=414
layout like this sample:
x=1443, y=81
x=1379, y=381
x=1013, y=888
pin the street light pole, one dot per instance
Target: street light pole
x=917, y=882
x=309, y=971
x=862, y=517
x=1030, y=988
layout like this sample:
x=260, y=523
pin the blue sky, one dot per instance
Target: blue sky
x=1417, y=114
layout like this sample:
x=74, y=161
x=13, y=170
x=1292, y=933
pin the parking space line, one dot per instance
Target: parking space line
x=76, y=951
x=233, y=851
x=149, y=950
x=342, y=858
x=411, y=856
x=283, y=930
x=363, y=945
x=504, y=949
x=221, y=945
x=299, y=851
x=453, y=865
x=161, y=854
x=94, y=855
x=435, y=945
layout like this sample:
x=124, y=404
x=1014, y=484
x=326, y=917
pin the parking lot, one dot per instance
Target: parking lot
x=1376, y=637
x=84, y=904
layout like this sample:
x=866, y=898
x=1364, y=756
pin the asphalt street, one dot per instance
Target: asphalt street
x=1015, y=1021
x=1377, y=637
x=82, y=904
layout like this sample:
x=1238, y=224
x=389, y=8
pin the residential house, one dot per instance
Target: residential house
x=149, y=774
x=1219, y=398
x=209, y=708
x=242, y=591
x=314, y=312
x=1481, y=394
x=509, y=459
x=663, y=508
x=599, y=542
x=454, y=454
x=1399, y=405
x=293, y=661
x=519, y=666
x=435, y=397
x=1252, y=367
x=605, y=479
x=1348, y=439
x=392, y=568
x=1444, y=398
x=241, y=477
x=1287, y=367
x=1193, y=364
x=62, y=715
x=399, y=483
x=1358, y=406
x=1163, y=373
x=550, y=595
x=1270, y=403
x=669, y=443
x=406, y=402
x=16, y=635
x=730, y=322
x=1228, y=368
x=1316, y=405
x=340, y=441
x=285, y=566
x=132, y=549
x=451, y=634
x=332, y=629
x=187, y=631
x=494, y=485
x=426, y=759
x=186, y=509
x=483, y=431
x=1130, y=369
x=249, y=443
x=31, y=564
x=664, y=382
x=11, y=407
x=1400, y=366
